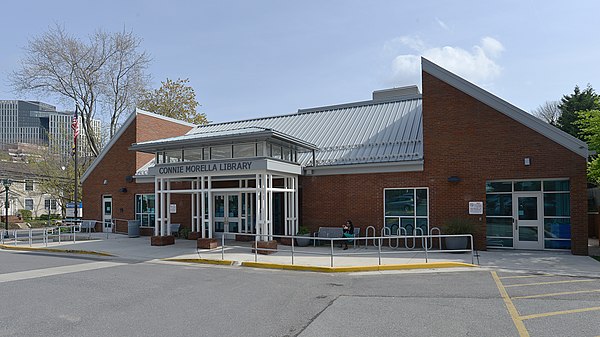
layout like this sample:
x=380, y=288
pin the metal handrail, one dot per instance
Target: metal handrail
x=293, y=251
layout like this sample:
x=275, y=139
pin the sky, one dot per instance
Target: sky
x=250, y=59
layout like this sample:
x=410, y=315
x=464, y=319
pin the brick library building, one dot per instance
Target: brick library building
x=403, y=162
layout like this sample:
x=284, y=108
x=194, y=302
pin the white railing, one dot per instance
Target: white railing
x=426, y=246
x=29, y=236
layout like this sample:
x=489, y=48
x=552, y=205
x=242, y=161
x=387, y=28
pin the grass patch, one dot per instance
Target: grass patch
x=597, y=258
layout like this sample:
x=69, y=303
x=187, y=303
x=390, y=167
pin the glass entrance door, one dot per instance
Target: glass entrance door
x=528, y=221
x=226, y=214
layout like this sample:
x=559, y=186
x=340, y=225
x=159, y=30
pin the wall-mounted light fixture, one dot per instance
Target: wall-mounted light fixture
x=527, y=161
x=105, y=182
x=453, y=179
x=123, y=189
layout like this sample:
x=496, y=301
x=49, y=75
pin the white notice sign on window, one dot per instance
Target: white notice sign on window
x=475, y=207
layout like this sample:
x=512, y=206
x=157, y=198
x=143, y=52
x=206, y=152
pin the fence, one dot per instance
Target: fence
x=427, y=245
x=29, y=236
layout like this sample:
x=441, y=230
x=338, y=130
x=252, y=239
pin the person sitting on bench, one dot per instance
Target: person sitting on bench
x=348, y=232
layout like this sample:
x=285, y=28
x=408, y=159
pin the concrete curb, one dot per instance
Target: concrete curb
x=54, y=250
x=408, y=266
x=204, y=261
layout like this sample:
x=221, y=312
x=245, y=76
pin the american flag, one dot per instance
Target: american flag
x=75, y=126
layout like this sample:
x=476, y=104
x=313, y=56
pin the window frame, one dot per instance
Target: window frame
x=414, y=216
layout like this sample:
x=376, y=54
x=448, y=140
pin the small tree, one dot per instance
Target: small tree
x=174, y=99
x=589, y=123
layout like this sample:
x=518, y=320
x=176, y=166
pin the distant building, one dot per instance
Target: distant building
x=25, y=192
x=39, y=123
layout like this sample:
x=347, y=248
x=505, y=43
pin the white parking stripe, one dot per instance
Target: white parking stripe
x=30, y=274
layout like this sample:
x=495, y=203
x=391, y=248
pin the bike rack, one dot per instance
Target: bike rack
x=439, y=233
x=367, y=236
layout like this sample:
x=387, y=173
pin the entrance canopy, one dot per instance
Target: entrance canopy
x=237, y=179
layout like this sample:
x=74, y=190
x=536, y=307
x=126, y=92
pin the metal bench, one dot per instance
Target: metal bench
x=175, y=229
x=332, y=232
x=88, y=226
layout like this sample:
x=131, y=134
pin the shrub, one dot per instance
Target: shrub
x=302, y=230
x=458, y=226
x=184, y=232
x=25, y=214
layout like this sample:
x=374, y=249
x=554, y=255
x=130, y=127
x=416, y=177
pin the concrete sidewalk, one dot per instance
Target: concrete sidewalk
x=360, y=258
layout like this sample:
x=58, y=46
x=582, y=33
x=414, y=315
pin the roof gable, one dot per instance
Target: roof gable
x=120, y=133
x=506, y=108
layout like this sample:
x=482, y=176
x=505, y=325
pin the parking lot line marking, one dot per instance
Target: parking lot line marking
x=36, y=273
x=542, y=283
x=512, y=310
x=565, y=312
x=557, y=294
x=527, y=276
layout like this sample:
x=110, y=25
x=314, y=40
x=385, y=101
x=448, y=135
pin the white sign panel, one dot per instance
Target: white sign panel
x=173, y=208
x=475, y=207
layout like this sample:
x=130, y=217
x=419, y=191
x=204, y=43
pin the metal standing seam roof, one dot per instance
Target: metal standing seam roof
x=356, y=133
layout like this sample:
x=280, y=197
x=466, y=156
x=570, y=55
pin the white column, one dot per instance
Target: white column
x=193, y=205
x=168, y=222
x=286, y=208
x=210, y=207
x=157, y=205
x=203, y=205
x=269, y=206
x=163, y=208
x=295, y=205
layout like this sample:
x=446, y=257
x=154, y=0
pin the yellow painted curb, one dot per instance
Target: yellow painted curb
x=206, y=261
x=54, y=250
x=433, y=265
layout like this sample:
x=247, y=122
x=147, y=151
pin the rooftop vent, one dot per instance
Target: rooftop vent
x=385, y=94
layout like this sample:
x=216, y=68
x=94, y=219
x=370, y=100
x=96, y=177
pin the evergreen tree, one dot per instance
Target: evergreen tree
x=571, y=104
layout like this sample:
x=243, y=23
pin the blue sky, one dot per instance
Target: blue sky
x=248, y=59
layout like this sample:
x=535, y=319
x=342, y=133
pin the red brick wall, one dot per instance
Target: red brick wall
x=462, y=137
x=119, y=162
x=469, y=139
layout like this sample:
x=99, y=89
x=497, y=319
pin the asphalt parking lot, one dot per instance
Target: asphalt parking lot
x=551, y=305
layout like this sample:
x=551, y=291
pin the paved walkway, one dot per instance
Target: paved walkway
x=552, y=262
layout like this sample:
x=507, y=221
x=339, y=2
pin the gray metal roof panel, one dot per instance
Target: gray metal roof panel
x=365, y=132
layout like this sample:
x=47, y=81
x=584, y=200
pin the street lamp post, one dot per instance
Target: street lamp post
x=6, y=182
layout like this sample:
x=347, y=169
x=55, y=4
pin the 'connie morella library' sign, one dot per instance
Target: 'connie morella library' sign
x=226, y=167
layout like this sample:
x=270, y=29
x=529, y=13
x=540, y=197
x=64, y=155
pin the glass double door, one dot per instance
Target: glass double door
x=528, y=221
x=227, y=217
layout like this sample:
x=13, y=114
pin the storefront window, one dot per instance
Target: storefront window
x=220, y=152
x=555, y=223
x=174, y=156
x=408, y=209
x=244, y=150
x=144, y=209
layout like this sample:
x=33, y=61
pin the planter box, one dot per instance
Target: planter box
x=265, y=245
x=244, y=238
x=193, y=235
x=162, y=240
x=303, y=242
x=207, y=243
x=456, y=243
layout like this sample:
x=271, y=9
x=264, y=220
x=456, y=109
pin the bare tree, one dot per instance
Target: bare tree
x=84, y=73
x=125, y=77
x=548, y=112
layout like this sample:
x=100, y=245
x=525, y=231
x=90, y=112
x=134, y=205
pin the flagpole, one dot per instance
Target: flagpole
x=75, y=134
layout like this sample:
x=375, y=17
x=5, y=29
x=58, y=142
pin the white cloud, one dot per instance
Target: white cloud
x=442, y=24
x=477, y=65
